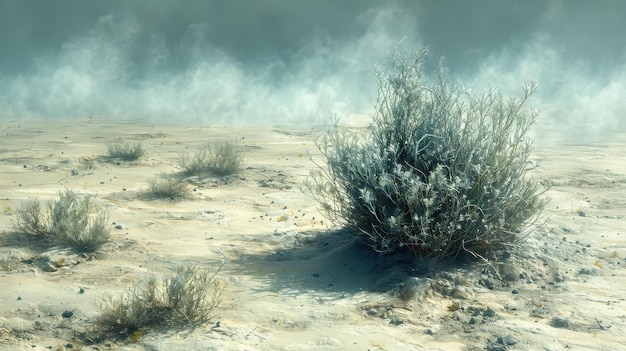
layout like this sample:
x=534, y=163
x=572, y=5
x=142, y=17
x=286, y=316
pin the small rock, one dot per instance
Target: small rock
x=118, y=226
x=489, y=313
x=74, y=172
x=81, y=291
x=486, y=283
x=495, y=347
x=429, y=332
x=472, y=320
x=507, y=340
x=371, y=312
x=560, y=322
x=19, y=298
x=395, y=320
x=515, y=292
x=67, y=314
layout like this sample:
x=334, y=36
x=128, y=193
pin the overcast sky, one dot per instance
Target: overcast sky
x=290, y=61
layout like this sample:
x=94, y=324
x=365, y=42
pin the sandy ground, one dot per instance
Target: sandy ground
x=293, y=282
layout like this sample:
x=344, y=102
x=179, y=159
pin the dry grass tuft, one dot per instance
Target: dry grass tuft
x=216, y=158
x=191, y=295
x=73, y=220
x=164, y=187
x=125, y=150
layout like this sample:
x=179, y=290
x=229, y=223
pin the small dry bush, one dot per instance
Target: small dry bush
x=73, y=220
x=191, y=295
x=440, y=172
x=125, y=150
x=164, y=187
x=219, y=158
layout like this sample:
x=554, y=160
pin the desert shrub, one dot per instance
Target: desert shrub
x=125, y=150
x=72, y=220
x=440, y=171
x=32, y=219
x=220, y=158
x=164, y=187
x=191, y=295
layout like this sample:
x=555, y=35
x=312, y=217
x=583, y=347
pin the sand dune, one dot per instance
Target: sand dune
x=293, y=281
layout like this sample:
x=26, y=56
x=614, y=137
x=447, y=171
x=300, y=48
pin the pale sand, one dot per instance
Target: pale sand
x=295, y=284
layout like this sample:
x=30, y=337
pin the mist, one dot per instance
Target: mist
x=301, y=62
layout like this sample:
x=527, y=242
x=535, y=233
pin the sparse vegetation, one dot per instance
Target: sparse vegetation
x=192, y=295
x=218, y=158
x=73, y=220
x=125, y=150
x=165, y=187
x=440, y=172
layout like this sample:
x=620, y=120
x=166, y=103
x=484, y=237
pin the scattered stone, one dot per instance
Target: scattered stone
x=81, y=291
x=371, y=312
x=74, y=172
x=515, y=291
x=67, y=314
x=429, y=332
x=474, y=311
x=395, y=320
x=486, y=282
x=495, y=347
x=489, y=313
x=472, y=320
x=19, y=298
x=560, y=322
x=118, y=226
x=507, y=340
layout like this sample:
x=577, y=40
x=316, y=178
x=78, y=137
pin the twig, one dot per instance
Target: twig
x=601, y=326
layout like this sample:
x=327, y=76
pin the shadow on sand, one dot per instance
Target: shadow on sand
x=338, y=264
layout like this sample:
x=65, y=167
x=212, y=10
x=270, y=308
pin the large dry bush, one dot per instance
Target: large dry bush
x=440, y=171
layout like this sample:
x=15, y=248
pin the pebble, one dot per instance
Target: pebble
x=371, y=312
x=395, y=320
x=489, y=313
x=67, y=314
x=515, y=291
x=560, y=322
x=486, y=283
x=507, y=340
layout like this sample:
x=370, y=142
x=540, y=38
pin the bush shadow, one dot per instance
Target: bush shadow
x=338, y=263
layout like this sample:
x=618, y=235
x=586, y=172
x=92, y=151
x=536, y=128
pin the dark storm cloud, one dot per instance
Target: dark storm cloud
x=286, y=61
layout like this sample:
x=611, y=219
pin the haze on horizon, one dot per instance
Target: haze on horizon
x=299, y=62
